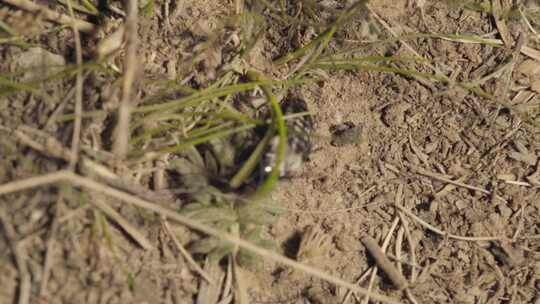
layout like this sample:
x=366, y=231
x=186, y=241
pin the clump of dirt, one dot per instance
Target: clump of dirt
x=419, y=156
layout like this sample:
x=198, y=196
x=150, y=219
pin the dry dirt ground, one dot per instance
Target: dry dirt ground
x=463, y=168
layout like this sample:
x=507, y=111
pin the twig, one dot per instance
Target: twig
x=525, y=50
x=399, y=244
x=51, y=147
x=76, y=137
x=239, y=7
x=240, y=290
x=520, y=222
x=51, y=15
x=227, y=289
x=32, y=182
x=411, y=49
x=52, y=118
x=125, y=225
x=208, y=293
x=20, y=259
x=530, y=237
x=384, y=263
x=121, y=140
x=404, y=262
x=526, y=20
x=496, y=10
x=453, y=182
x=408, y=235
x=173, y=215
x=358, y=281
x=186, y=254
x=373, y=270
x=446, y=234
x=384, y=246
x=49, y=254
x=397, y=248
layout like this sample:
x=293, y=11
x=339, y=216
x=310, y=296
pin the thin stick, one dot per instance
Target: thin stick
x=358, y=281
x=51, y=15
x=404, y=262
x=524, y=18
x=446, y=234
x=121, y=140
x=20, y=259
x=496, y=10
x=384, y=263
x=239, y=7
x=75, y=140
x=59, y=108
x=385, y=244
x=449, y=181
x=186, y=254
x=373, y=270
x=530, y=237
x=410, y=48
x=240, y=289
x=32, y=182
x=397, y=248
x=405, y=225
x=124, y=224
x=49, y=254
x=52, y=146
x=173, y=215
x=453, y=182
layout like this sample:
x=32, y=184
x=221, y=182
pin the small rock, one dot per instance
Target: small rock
x=38, y=63
x=529, y=67
x=508, y=254
x=461, y=204
x=504, y=211
x=345, y=134
x=535, y=85
x=507, y=177
x=522, y=154
x=394, y=115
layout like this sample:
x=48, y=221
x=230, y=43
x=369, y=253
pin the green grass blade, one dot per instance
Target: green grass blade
x=323, y=39
x=192, y=142
x=279, y=123
x=251, y=163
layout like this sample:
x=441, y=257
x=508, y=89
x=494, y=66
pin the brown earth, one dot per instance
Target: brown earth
x=465, y=165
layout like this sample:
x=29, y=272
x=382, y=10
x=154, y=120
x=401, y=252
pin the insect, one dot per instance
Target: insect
x=299, y=130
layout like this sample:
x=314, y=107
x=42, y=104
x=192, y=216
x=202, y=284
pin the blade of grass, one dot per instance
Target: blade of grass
x=52, y=15
x=207, y=95
x=192, y=142
x=378, y=68
x=279, y=122
x=64, y=71
x=81, y=8
x=201, y=130
x=11, y=86
x=323, y=39
x=251, y=163
x=223, y=115
x=85, y=115
x=6, y=28
x=375, y=59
